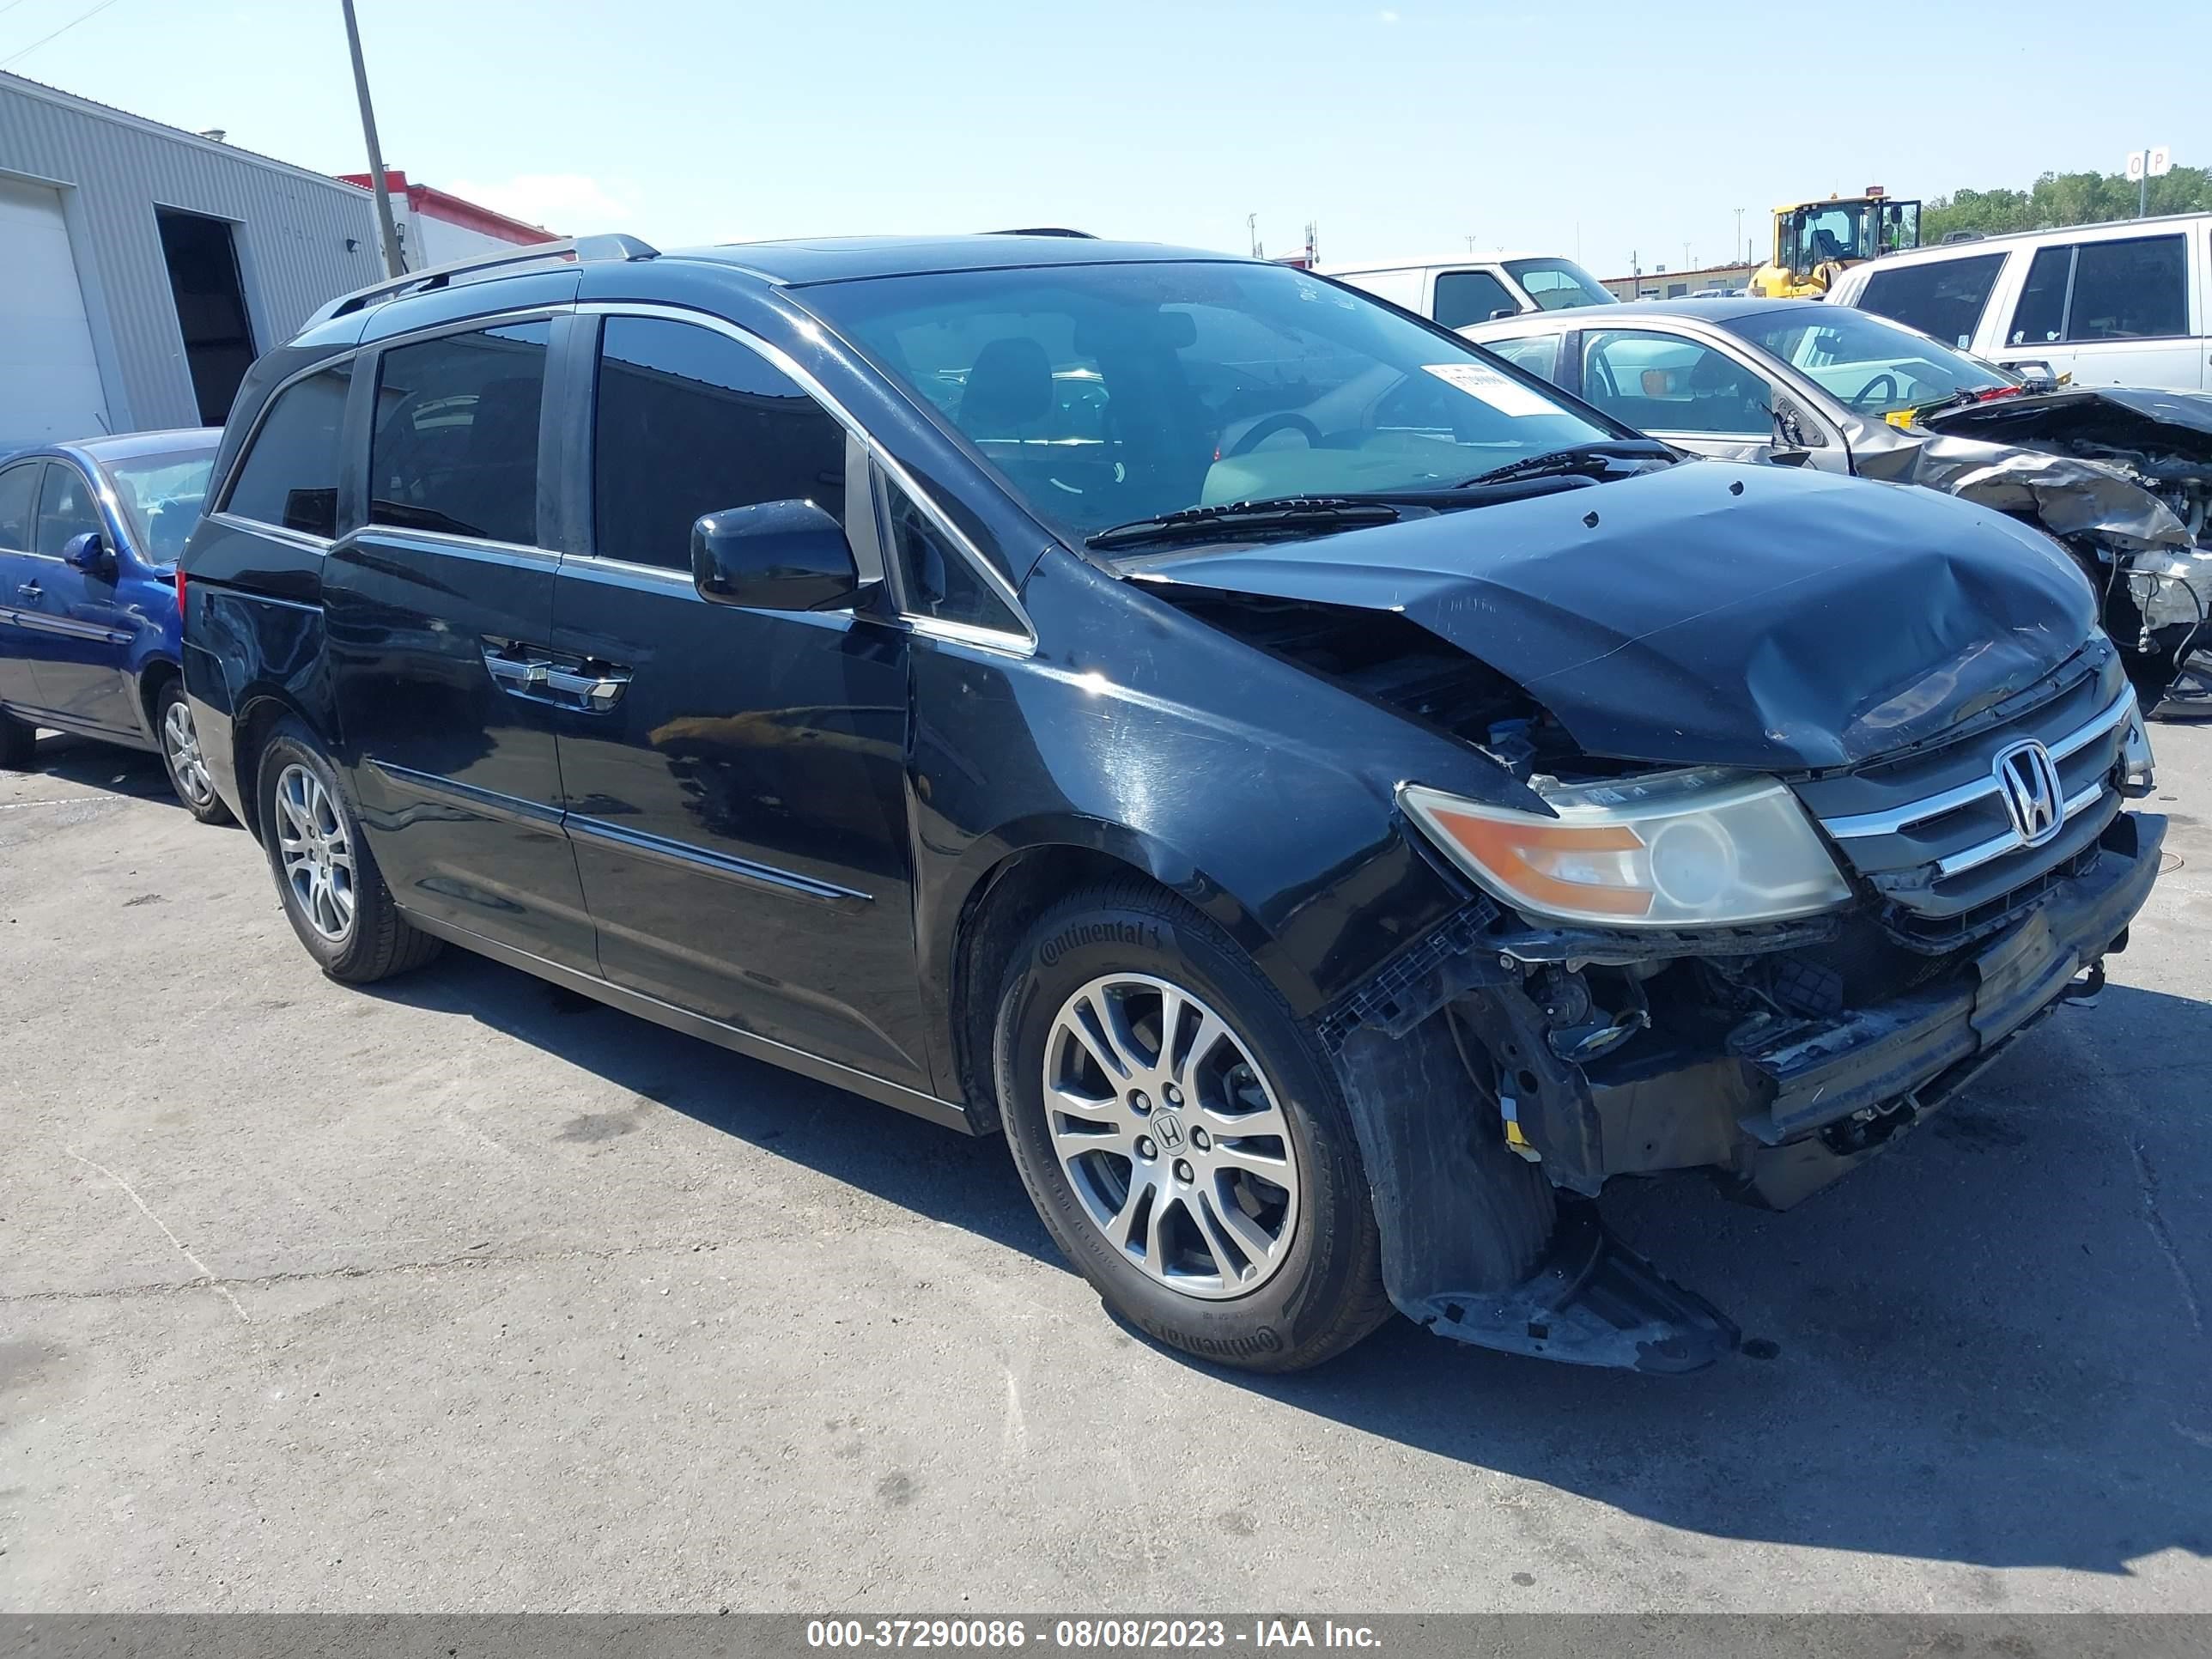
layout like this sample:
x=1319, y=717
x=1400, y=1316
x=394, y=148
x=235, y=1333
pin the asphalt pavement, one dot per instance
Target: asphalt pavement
x=462, y=1293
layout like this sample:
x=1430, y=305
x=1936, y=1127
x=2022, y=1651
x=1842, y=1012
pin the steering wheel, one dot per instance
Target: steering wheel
x=1281, y=421
x=1865, y=401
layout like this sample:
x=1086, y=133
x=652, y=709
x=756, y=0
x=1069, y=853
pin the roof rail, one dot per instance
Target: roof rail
x=1041, y=230
x=576, y=249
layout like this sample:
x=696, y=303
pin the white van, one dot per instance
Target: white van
x=2120, y=304
x=1459, y=292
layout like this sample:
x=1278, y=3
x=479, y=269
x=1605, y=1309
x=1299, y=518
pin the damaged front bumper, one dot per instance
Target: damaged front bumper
x=1838, y=1092
x=1778, y=1110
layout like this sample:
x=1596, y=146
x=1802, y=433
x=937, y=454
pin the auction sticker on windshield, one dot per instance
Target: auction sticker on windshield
x=1507, y=396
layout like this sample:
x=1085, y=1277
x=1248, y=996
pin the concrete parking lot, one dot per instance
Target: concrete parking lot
x=463, y=1293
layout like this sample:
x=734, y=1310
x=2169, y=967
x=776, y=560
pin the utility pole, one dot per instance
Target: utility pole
x=1740, y=247
x=1252, y=230
x=394, y=265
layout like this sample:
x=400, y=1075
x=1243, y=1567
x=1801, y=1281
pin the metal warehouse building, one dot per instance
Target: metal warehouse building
x=142, y=268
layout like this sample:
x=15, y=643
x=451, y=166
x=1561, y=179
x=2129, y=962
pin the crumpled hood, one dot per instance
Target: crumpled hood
x=1711, y=614
x=2070, y=459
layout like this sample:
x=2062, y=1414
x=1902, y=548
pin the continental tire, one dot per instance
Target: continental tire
x=333, y=894
x=1183, y=1137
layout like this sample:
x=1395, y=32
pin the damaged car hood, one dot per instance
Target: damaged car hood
x=1709, y=614
x=2074, y=459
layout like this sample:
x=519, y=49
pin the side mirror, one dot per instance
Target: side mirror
x=778, y=555
x=87, y=552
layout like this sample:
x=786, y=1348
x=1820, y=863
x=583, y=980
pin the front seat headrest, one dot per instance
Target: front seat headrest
x=1009, y=387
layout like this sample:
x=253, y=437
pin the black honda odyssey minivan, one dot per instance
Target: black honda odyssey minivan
x=1331, y=800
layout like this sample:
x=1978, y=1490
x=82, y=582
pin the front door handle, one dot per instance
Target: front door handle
x=595, y=692
x=30, y=591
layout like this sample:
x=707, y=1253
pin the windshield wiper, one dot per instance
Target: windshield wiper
x=1282, y=514
x=1591, y=458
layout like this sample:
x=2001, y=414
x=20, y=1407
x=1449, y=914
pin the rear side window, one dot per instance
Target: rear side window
x=690, y=423
x=455, y=446
x=939, y=581
x=1471, y=296
x=2134, y=289
x=290, y=476
x=2137, y=289
x=1944, y=298
x=19, y=489
x=66, y=508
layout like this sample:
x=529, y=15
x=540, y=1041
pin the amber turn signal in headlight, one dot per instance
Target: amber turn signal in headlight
x=1673, y=849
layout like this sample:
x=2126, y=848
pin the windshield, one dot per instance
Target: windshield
x=161, y=497
x=1112, y=392
x=1865, y=363
x=1560, y=284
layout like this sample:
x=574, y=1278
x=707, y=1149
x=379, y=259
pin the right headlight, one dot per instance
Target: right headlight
x=1672, y=849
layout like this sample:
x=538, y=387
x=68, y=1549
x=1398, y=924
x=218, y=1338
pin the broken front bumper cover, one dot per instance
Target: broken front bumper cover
x=1840, y=1092
x=1779, y=1121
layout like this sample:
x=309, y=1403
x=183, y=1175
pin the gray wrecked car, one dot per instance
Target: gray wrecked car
x=2122, y=477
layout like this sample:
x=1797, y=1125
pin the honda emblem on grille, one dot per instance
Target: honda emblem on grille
x=2028, y=779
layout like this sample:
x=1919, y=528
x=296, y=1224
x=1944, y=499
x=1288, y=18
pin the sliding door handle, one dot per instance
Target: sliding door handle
x=596, y=693
x=524, y=678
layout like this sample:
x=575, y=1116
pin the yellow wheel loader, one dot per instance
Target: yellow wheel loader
x=1815, y=240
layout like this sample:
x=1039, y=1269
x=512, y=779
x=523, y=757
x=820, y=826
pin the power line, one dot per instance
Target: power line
x=83, y=17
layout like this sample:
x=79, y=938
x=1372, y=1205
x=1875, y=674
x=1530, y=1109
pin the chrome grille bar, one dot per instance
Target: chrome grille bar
x=1890, y=820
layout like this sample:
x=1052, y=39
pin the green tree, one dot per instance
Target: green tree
x=2062, y=198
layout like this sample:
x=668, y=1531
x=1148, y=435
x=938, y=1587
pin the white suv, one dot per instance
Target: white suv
x=2122, y=304
x=1459, y=292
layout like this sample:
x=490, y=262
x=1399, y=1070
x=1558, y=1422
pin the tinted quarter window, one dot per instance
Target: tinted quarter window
x=290, y=476
x=66, y=508
x=1943, y=298
x=456, y=442
x=1471, y=296
x=690, y=422
x=19, y=494
x=2040, y=316
x=2131, y=290
x=939, y=581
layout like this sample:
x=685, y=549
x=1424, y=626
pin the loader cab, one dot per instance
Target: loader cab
x=1815, y=240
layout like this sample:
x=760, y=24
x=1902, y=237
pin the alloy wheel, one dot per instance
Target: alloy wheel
x=181, y=744
x=1171, y=1136
x=316, y=852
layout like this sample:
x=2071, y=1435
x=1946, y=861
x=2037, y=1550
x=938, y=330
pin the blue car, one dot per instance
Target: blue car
x=89, y=535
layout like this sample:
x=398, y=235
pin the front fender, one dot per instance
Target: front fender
x=1260, y=792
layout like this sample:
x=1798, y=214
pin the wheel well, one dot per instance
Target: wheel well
x=151, y=679
x=255, y=722
x=1017, y=890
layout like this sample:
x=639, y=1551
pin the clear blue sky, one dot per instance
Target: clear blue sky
x=1402, y=127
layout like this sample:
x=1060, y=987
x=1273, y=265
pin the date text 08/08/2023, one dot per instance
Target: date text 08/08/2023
x=990, y=1635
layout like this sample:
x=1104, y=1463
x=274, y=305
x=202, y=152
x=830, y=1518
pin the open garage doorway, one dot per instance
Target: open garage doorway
x=202, y=262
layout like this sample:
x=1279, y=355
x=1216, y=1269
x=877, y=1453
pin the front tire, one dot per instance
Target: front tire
x=1183, y=1137
x=333, y=894
x=180, y=753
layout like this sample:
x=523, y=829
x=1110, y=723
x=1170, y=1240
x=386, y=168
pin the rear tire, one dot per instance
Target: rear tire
x=333, y=892
x=1209, y=1187
x=17, y=742
x=181, y=755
